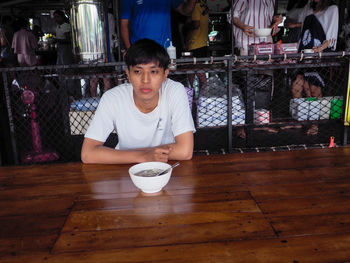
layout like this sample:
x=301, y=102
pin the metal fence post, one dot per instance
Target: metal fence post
x=10, y=116
x=229, y=104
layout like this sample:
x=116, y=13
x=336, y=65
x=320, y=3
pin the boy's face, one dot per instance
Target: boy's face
x=146, y=80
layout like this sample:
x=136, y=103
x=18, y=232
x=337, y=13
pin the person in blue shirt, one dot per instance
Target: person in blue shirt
x=150, y=19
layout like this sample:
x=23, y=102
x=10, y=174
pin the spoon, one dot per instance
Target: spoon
x=167, y=170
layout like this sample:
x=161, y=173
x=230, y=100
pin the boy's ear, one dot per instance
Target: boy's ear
x=166, y=73
x=127, y=71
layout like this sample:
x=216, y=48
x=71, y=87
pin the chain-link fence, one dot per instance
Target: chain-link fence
x=276, y=103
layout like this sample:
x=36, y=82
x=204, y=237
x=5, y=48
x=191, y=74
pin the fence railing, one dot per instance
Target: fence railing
x=250, y=103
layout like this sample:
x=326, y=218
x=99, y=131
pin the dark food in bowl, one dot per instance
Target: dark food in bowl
x=149, y=172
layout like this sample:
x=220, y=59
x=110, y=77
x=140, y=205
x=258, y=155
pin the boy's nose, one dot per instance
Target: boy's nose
x=145, y=77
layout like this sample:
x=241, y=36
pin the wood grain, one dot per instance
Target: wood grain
x=255, y=207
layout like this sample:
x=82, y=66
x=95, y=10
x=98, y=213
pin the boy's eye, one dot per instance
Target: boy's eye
x=154, y=71
x=136, y=71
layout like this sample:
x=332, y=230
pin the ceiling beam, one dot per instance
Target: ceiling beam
x=13, y=2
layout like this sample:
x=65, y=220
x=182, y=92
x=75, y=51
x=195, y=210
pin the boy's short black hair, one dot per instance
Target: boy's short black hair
x=145, y=51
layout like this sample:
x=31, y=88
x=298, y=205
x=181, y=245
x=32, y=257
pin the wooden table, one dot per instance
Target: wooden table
x=253, y=207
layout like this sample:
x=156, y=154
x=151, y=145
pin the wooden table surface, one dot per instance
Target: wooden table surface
x=254, y=207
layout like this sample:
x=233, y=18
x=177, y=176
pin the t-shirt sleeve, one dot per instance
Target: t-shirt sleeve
x=332, y=25
x=126, y=9
x=238, y=7
x=181, y=117
x=102, y=123
x=66, y=28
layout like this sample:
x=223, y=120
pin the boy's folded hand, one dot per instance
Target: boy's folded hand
x=158, y=154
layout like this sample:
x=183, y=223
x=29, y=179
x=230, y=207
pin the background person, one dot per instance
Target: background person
x=8, y=58
x=320, y=26
x=65, y=56
x=151, y=114
x=319, y=33
x=307, y=85
x=150, y=19
x=24, y=44
x=63, y=39
x=248, y=15
x=198, y=36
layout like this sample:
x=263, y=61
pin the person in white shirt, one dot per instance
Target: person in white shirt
x=319, y=33
x=151, y=114
x=320, y=26
x=249, y=15
x=63, y=39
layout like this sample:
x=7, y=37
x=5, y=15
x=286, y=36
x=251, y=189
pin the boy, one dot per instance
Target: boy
x=151, y=114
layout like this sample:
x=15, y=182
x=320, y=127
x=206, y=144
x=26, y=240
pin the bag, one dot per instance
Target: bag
x=8, y=57
x=7, y=53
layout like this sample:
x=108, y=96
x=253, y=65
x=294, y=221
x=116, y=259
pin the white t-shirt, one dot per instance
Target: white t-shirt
x=61, y=30
x=329, y=20
x=117, y=111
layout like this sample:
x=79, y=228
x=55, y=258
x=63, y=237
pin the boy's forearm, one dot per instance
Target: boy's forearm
x=180, y=155
x=106, y=155
x=180, y=152
x=182, y=149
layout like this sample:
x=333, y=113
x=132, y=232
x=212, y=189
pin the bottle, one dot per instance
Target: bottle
x=172, y=54
x=171, y=50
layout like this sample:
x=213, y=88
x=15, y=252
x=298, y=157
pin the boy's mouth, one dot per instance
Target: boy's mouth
x=145, y=90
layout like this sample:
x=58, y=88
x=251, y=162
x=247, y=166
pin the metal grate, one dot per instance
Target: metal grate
x=50, y=108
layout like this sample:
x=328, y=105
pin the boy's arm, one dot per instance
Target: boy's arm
x=182, y=149
x=94, y=152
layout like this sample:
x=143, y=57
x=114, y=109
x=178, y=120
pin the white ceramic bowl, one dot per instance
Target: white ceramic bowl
x=263, y=32
x=150, y=184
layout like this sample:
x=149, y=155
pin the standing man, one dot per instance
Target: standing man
x=198, y=36
x=150, y=19
x=24, y=44
x=248, y=15
x=63, y=39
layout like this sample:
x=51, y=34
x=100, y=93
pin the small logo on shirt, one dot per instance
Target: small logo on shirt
x=160, y=125
x=307, y=37
x=139, y=2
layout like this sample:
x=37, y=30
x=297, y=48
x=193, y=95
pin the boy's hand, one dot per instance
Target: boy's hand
x=158, y=154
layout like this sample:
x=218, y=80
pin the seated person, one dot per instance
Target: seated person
x=151, y=114
x=309, y=85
